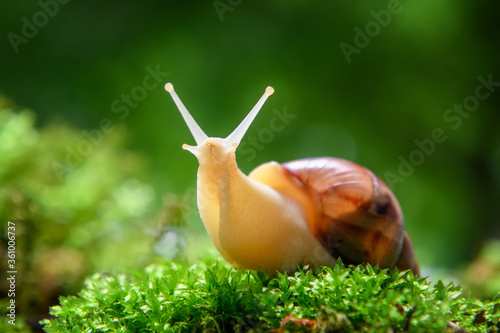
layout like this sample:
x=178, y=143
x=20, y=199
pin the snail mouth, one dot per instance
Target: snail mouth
x=212, y=149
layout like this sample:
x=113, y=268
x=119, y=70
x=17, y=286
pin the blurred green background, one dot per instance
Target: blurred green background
x=94, y=176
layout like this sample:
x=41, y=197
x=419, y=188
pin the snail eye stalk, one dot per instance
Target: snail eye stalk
x=194, y=128
x=235, y=137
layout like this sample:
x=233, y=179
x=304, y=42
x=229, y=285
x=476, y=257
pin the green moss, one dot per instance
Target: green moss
x=174, y=297
x=74, y=214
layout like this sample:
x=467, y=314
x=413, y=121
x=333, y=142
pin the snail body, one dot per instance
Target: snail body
x=304, y=212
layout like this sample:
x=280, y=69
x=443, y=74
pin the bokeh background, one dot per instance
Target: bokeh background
x=91, y=166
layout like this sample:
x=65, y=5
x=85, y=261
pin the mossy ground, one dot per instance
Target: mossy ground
x=176, y=297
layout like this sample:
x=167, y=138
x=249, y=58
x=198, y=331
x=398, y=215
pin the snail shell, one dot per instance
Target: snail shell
x=361, y=218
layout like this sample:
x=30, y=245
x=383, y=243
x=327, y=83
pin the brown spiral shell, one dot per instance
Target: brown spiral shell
x=361, y=219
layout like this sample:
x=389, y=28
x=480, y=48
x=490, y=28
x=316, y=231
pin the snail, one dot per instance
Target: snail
x=304, y=212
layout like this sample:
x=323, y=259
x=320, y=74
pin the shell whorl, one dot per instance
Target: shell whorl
x=361, y=218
